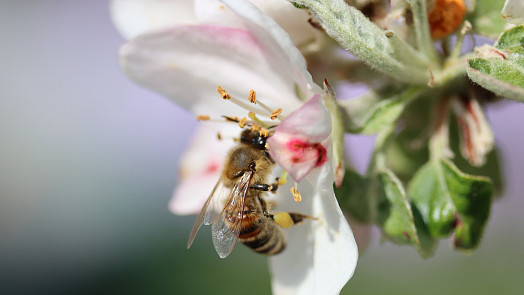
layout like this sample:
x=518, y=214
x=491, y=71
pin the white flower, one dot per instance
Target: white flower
x=186, y=63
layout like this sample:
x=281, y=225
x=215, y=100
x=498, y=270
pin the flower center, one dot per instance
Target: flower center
x=303, y=151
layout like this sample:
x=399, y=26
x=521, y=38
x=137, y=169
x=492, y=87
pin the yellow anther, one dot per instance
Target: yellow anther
x=203, y=118
x=283, y=219
x=251, y=115
x=275, y=113
x=252, y=96
x=296, y=194
x=223, y=93
x=231, y=119
x=263, y=132
x=256, y=127
x=242, y=122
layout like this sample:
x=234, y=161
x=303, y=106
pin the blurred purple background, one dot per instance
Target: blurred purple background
x=88, y=161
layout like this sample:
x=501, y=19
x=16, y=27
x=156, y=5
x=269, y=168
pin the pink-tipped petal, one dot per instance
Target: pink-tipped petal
x=299, y=143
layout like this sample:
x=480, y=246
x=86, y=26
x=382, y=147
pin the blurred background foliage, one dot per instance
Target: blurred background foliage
x=88, y=162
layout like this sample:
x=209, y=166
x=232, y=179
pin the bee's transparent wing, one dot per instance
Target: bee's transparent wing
x=209, y=212
x=226, y=229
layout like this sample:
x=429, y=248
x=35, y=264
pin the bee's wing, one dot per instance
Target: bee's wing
x=226, y=229
x=209, y=212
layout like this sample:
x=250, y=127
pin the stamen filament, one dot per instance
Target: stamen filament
x=283, y=178
x=223, y=93
x=254, y=117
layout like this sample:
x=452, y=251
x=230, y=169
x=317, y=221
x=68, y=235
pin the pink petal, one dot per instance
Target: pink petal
x=300, y=142
x=287, y=59
x=187, y=63
x=200, y=168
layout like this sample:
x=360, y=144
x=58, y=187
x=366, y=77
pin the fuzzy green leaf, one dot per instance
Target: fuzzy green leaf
x=395, y=216
x=501, y=69
x=373, y=112
x=451, y=201
x=381, y=200
x=364, y=39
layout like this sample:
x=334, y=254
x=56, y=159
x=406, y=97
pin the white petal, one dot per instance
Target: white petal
x=294, y=21
x=513, y=11
x=134, y=17
x=200, y=167
x=321, y=255
x=187, y=63
x=276, y=41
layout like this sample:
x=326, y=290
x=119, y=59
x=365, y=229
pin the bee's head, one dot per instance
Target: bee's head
x=254, y=139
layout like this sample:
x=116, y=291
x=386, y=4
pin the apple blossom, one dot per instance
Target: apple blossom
x=186, y=63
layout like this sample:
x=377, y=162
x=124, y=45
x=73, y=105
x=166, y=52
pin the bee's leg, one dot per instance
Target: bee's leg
x=265, y=187
x=287, y=219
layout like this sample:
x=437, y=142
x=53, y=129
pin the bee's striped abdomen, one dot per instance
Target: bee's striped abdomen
x=261, y=233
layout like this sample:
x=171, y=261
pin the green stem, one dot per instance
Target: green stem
x=422, y=30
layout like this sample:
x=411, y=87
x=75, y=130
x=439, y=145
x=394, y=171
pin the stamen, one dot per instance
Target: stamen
x=254, y=117
x=264, y=132
x=231, y=119
x=223, y=92
x=275, y=113
x=252, y=96
x=242, y=122
x=256, y=127
x=203, y=118
x=219, y=136
x=296, y=194
x=283, y=178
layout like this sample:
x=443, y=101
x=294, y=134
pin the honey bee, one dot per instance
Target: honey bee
x=236, y=207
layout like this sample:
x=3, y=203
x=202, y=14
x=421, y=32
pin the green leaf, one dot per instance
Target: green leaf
x=486, y=18
x=372, y=112
x=501, y=69
x=353, y=198
x=406, y=152
x=382, y=200
x=450, y=201
x=490, y=169
x=394, y=211
x=364, y=39
x=513, y=37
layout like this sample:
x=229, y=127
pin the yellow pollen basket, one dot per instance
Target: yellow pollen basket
x=283, y=219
